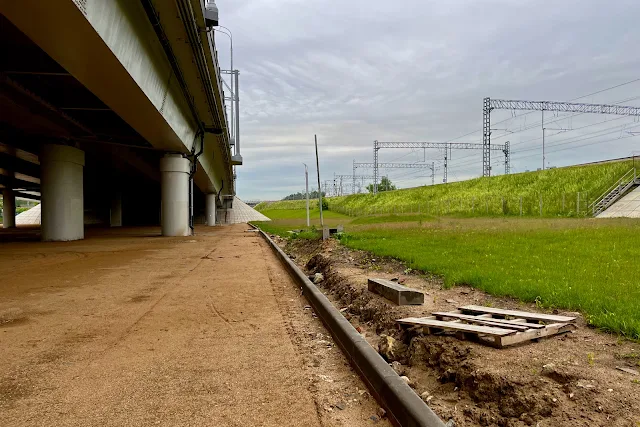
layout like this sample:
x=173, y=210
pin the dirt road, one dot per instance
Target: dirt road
x=126, y=328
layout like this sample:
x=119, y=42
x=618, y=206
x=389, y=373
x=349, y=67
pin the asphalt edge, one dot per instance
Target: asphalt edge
x=404, y=407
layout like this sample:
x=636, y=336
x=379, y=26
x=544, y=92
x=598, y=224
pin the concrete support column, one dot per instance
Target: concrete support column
x=116, y=210
x=61, y=169
x=174, y=215
x=8, y=208
x=211, y=209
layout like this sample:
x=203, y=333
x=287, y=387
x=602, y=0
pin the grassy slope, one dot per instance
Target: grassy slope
x=477, y=196
x=286, y=204
x=574, y=264
x=464, y=196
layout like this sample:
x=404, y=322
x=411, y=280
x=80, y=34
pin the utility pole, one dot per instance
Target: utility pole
x=542, y=139
x=319, y=189
x=306, y=181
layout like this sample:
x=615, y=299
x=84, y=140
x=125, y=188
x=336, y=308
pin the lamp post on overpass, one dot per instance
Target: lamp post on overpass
x=231, y=89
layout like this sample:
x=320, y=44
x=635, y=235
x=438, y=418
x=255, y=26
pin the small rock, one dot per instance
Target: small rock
x=571, y=395
x=628, y=370
x=548, y=368
x=397, y=366
x=381, y=413
x=374, y=419
x=585, y=384
x=340, y=405
x=359, y=329
x=451, y=301
x=599, y=408
x=610, y=390
x=401, y=281
x=450, y=423
x=406, y=379
x=342, y=310
x=424, y=395
x=317, y=278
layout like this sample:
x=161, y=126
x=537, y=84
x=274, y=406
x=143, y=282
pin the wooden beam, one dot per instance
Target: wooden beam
x=456, y=326
x=396, y=293
x=488, y=321
x=532, y=334
x=515, y=313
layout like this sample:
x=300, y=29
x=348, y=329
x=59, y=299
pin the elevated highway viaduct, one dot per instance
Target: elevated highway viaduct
x=112, y=112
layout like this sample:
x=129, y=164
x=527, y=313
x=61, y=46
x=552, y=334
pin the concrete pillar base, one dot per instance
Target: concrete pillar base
x=62, y=193
x=211, y=209
x=8, y=208
x=174, y=215
x=116, y=210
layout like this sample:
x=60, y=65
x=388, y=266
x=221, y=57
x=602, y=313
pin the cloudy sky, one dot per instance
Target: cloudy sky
x=355, y=71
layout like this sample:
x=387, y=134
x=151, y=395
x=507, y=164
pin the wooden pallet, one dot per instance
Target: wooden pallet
x=493, y=326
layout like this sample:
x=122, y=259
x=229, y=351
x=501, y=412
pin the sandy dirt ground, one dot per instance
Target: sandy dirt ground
x=130, y=329
x=563, y=381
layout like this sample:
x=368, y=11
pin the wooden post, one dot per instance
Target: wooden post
x=540, y=204
x=520, y=205
x=578, y=204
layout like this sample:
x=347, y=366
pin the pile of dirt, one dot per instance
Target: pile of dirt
x=551, y=382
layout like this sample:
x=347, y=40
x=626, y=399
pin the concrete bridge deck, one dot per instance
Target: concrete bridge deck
x=128, y=328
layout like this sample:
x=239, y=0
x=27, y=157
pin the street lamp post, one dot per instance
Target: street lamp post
x=231, y=88
x=306, y=181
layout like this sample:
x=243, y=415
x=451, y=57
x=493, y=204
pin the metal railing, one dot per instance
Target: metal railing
x=620, y=187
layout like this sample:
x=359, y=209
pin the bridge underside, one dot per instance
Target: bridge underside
x=91, y=109
x=41, y=104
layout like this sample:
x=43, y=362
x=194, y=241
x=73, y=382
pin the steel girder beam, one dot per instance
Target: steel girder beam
x=439, y=145
x=379, y=166
x=486, y=148
x=563, y=107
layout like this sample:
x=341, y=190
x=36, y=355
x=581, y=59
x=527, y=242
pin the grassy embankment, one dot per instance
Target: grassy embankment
x=557, y=189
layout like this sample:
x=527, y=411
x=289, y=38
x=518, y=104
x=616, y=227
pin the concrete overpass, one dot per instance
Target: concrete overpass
x=112, y=112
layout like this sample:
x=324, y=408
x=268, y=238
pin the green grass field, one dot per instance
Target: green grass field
x=285, y=220
x=571, y=263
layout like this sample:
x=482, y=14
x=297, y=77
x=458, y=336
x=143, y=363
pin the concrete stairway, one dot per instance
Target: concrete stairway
x=624, y=185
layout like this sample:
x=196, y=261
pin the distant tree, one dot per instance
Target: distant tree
x=385, y=185
x=301, y=195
